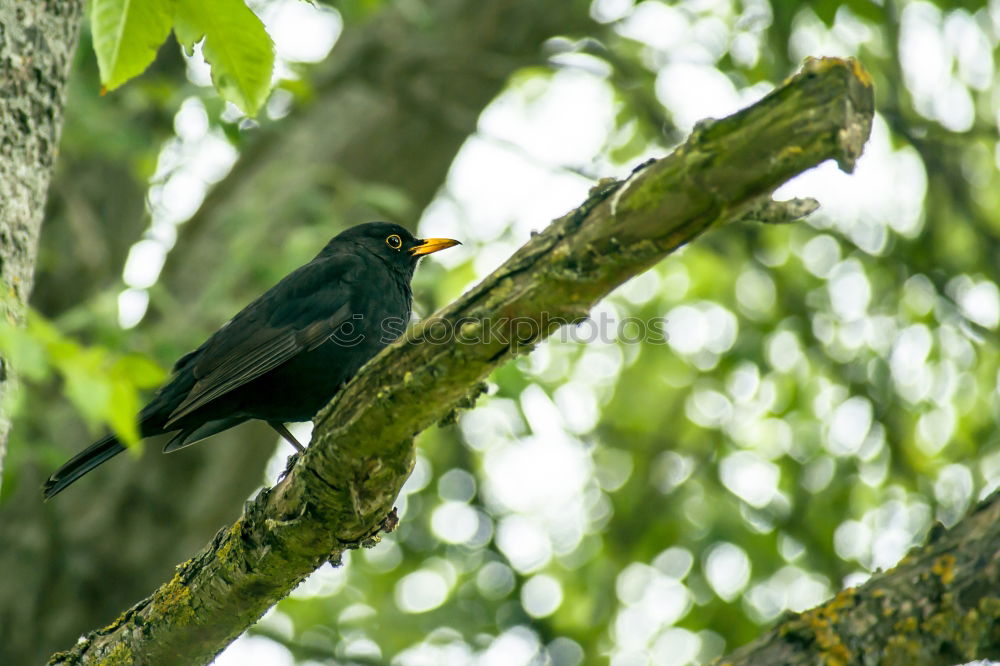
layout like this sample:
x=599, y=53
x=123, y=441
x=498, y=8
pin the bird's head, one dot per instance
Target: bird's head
x=392, y=243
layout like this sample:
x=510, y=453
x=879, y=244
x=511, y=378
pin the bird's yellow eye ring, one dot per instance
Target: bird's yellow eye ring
x=394, y=241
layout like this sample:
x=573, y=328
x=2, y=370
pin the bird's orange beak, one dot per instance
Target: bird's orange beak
x=430, y=245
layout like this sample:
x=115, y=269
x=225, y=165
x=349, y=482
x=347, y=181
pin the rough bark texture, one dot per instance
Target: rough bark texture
x=37, y=40
x=939, y=606
x=341, y=492
x=131, y=521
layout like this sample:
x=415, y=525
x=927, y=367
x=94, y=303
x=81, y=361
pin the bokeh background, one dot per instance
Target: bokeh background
x=826, y=392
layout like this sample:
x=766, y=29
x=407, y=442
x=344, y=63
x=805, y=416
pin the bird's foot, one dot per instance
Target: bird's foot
x=290, y=465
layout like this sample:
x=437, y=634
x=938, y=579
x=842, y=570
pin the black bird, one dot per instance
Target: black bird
x=284, y=356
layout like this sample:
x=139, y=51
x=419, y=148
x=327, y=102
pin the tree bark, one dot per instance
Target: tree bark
x=340, y=494
x=37, y=41
x=131, y=521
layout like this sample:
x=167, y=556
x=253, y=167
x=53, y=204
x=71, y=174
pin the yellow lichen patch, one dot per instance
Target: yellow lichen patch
x=119, y=621
x=822, y=628
x=175, y=597
x=901, y=651
x=120, y=654
x=838, y=655
x=860, y=72
x=843, y=600
x=819, y=623
x=230, y=540
x=944, y=567
x=173, y=591
x=907, y=625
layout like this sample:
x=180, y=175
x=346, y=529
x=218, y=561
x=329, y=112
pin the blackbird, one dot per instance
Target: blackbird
x=284, y=356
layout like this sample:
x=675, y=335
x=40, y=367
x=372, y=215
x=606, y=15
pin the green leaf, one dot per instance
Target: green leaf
x=140, y=371
x=102, y=385
x=25, y=353
x=126, y=35
x=123, y=409
x=86, y=386
x=236, y=46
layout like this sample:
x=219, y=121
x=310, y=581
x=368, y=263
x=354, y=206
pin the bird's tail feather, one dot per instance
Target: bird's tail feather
x=99, y=452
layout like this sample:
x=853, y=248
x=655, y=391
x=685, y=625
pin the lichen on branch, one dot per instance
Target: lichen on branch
x=940, y=605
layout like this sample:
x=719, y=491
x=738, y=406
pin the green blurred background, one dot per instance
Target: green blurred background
x=826, y=393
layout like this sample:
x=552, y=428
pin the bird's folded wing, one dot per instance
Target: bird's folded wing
x=255, y=357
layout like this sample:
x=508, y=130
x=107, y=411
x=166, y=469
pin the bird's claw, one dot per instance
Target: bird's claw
x=289, y=465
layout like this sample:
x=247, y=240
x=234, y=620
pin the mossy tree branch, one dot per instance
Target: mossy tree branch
x=340, y=494
x=939, y=606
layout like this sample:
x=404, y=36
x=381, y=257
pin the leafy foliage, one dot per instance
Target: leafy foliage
x=236, y=46
x=127, y=34
x=102, y=385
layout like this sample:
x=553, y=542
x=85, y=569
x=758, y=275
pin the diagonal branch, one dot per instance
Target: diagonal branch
x=340, y=494
x=391, y=106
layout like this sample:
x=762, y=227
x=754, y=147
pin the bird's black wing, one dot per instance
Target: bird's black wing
x=296, y=315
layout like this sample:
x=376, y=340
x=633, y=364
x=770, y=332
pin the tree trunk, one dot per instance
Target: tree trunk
x=37, y=41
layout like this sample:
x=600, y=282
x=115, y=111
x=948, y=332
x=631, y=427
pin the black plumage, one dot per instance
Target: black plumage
x=284, y=356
